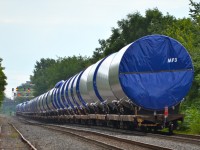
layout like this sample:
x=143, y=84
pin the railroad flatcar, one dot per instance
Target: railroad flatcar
x=140, y=86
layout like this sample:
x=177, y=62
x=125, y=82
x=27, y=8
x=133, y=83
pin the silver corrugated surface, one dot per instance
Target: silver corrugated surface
x=60, y=90
x=29, y=106
x=56, y=98
x=69, y=91
x=34, y=105
x=114, y=75
x=74, y=89
x=49, y=100
x=90, y=83
x=66, y=93
x=83, y=86
x=102, y=80
x=25, y=106
x=41, y=105
x=38, y=104
x=44, y=102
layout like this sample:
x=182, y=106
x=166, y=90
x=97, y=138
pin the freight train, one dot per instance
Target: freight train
x=140, y=86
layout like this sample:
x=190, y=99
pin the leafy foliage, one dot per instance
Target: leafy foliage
x=48, y=71
x=2, y=82
x=192, y=120
x=132, y=28
x=40, y=77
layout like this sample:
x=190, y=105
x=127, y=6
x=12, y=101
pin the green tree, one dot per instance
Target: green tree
x=39, y=77
x=132, y=28
x=48, y=72
x=2, y=82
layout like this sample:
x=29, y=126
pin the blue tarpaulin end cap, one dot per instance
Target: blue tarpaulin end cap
x=156, y=71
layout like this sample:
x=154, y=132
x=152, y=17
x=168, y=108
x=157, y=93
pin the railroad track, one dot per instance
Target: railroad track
x=191, y=139
x=23, y=138
x=12, y=132
x=101, y=139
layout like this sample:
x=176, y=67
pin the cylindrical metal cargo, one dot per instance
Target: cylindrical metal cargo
x=153, y=72
x=66, y=95
x=102, y=80
x=57, y=95
x=74, y=92
x=83, y=86
x=61, y=106
x=62, y=95
x=78, y=94
x=91, y=82
x=70, y=94
x=45, y=102
x=40, y=103
x=50, y=100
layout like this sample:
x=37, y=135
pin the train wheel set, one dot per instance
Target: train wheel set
x=140, y=86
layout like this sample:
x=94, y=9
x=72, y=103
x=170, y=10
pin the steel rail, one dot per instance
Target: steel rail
x=100, y=144
x=73, y=131
x=23, y=138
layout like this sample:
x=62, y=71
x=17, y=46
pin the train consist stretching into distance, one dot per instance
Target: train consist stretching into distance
x=140, y=86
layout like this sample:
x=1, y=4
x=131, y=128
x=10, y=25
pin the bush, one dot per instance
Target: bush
x=192, y=120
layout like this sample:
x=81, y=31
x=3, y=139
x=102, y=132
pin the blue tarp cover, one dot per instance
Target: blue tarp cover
x=155, y=72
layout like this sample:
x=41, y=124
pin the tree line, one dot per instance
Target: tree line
x=47, y=72
x=2, y=82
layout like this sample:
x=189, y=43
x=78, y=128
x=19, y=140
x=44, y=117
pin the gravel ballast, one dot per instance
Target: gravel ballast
x=44, y=139
x=145, y=139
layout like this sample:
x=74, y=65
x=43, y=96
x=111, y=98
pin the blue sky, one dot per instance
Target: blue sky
x=31, y=30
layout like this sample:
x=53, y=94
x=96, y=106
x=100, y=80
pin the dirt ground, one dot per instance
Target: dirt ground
x=9, y=138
